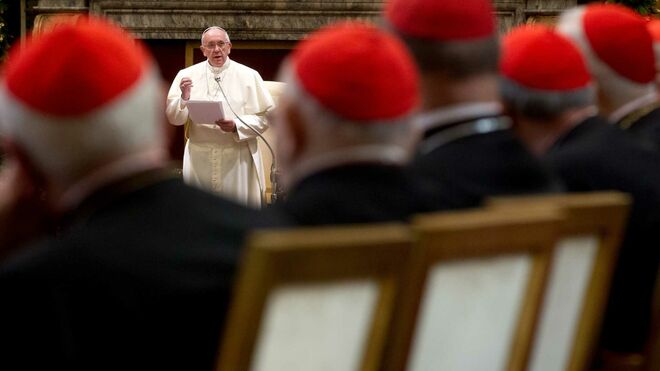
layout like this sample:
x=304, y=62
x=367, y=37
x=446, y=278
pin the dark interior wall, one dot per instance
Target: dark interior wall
x=264, y=61
x=170, y=56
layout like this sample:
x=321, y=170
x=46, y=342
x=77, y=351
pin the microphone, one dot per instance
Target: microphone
x=274, y=174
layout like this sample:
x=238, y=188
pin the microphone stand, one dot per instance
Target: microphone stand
x=274, y=173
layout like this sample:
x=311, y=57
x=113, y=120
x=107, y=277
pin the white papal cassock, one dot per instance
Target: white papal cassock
x=225, y=163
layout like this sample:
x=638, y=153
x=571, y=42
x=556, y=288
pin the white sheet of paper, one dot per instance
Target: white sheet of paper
x=205, y=112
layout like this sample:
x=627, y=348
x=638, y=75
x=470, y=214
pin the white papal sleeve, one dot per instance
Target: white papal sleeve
x=257, y=103
x=176, y=110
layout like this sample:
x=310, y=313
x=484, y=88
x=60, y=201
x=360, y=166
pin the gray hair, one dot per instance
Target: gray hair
x=393, y=131
x=544, y=105
x=63, y=148
x=201, y=40
x=456, y=59
x=618, y=89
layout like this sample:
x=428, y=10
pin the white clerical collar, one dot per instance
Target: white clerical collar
x=456, y=113
x=215, y=71
x=380, y=154
x=116, y=170
x=644, y=100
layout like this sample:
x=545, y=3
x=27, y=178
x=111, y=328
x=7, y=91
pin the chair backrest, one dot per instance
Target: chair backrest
x=579, y=279
x=473, y=303
x=315, y=298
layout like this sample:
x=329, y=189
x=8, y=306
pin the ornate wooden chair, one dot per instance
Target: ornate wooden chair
x=316, y=298
x=579, y=279
x=479, y=279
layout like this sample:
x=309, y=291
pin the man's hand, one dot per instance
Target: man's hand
x=186, y=86
x=227, y=125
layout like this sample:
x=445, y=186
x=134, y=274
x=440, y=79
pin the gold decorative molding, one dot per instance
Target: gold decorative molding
x=550, y=20
x=48, y=21
x=270, y=21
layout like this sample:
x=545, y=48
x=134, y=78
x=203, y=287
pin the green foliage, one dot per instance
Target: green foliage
x=643, y=7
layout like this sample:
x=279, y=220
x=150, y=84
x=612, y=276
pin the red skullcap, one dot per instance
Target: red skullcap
x=537, y=57
x=358, y=72
x=75, y=68
x=443, y=20
x=653, y=27
x=619, y=38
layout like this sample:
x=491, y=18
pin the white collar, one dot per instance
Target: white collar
x=215, y=71
x=214, y=77
x=457, y=112
x=631, y=106
x=477, y=126
x=382, y=154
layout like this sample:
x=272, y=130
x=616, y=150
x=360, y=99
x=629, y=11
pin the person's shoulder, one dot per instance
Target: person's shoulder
x=597, y=133
x=40, y=258
x=599, y=146
x=194, y=67
x=652, y=118
x=243, y=68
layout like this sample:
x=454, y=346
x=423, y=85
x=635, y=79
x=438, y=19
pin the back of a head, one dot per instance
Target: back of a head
x=351, y=88
x=79, y=97
x=457, y=38
x=543, y=75
x=617, y=47
x=354, y=77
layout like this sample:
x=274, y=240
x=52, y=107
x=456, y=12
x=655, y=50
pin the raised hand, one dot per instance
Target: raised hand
x=186, y=86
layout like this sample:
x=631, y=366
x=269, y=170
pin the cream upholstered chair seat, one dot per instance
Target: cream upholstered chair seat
x=275, y=88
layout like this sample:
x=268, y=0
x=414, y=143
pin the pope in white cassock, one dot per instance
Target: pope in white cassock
x=222, y=157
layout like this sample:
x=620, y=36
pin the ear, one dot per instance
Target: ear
x=203, y=50
x=511, y=113
x=603, y=100
x=24, y=210
x=32, y=176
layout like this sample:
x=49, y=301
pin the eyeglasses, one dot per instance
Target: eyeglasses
x=219, y=44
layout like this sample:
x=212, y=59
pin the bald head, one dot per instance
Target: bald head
x=215, y=30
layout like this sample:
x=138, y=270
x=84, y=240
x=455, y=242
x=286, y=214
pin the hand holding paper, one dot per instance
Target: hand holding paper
x=227, y=126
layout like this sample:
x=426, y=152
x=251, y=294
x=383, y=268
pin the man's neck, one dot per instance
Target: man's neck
x=217, y=68
x=67, y=195
x=316, y=161
x=440, y=91
x=615, y=113
x=540, y=135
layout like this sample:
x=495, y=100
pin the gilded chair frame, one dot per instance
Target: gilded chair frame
x=594, y=213
x=316, y=255
x=447, y=237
